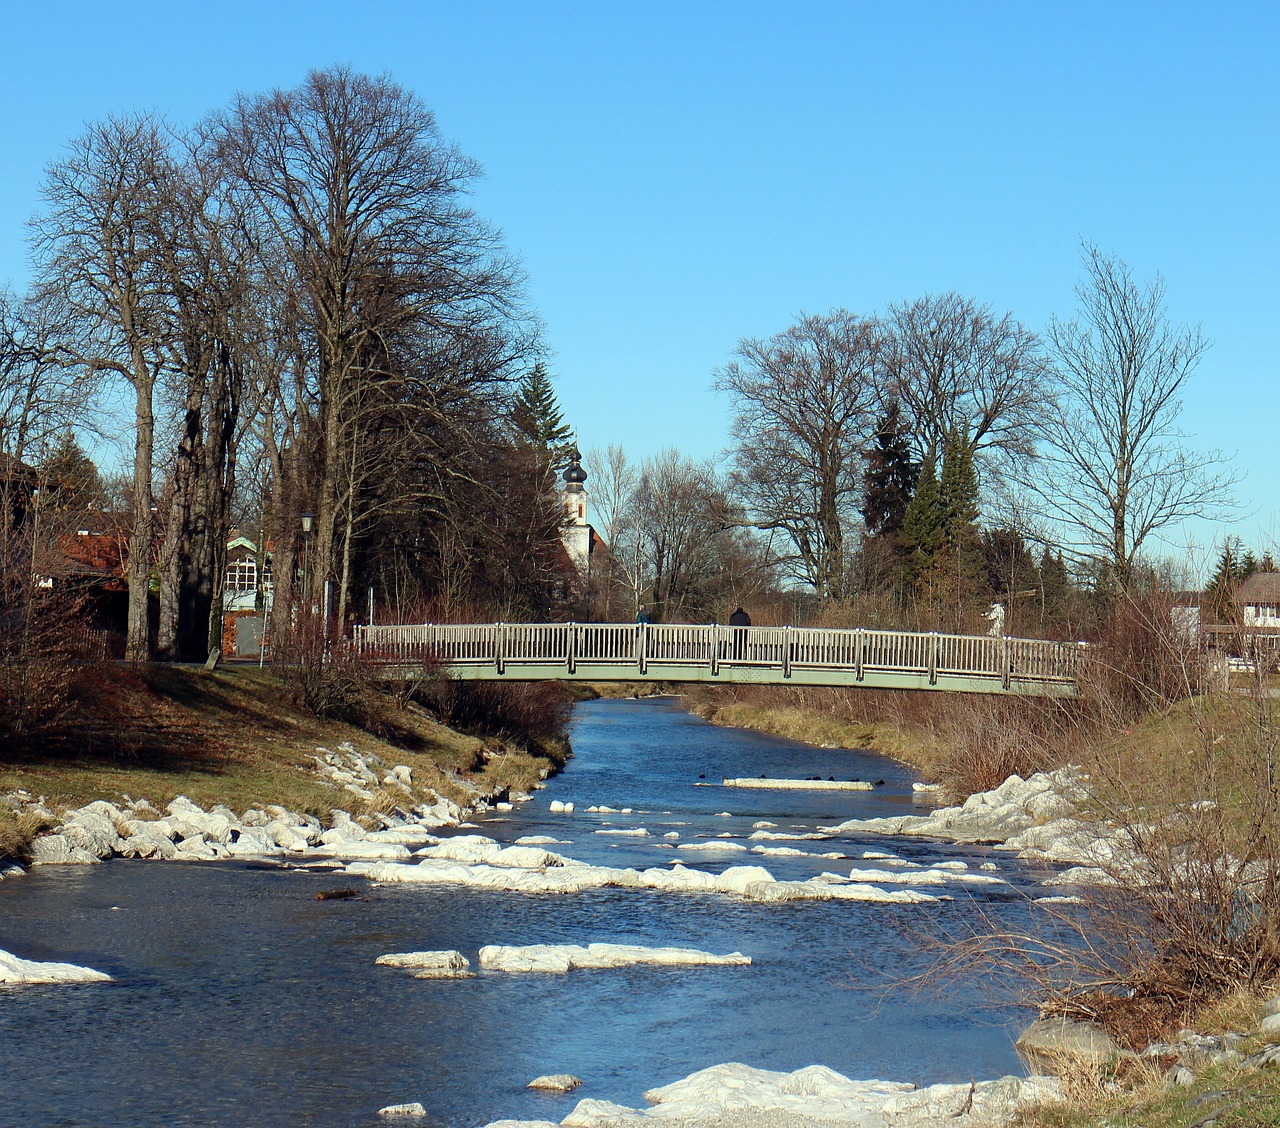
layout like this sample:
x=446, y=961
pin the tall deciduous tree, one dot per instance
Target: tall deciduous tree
x=102, y=237
x=362, y=204
x=955, y=365
x=1116, y=469
x=804, y=409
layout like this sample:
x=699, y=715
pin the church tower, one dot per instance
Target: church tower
x=577, y=533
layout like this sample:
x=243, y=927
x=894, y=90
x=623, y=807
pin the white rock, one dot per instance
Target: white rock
x=590, y=1113
x=718, y=846
x=17, y=971
x=563, y=957
x=800, y=784
x=735, y=879
x=388, y=850
x=448, y=958
x=412, y=1111
x=555, y=1082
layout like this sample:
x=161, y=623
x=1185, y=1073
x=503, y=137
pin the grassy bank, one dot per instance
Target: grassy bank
x=235, y=736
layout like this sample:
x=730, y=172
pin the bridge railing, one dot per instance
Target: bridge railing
x=625, y=645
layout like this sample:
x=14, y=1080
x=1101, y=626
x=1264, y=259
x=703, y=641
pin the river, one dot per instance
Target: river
x=242, y=1000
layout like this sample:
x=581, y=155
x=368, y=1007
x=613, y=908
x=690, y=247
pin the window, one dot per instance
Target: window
x=242, y=575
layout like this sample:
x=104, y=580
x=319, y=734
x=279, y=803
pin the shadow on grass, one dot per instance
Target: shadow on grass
x=161, y=718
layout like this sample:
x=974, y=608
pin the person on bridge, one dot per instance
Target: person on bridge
x=738, y=620
x=642, y=616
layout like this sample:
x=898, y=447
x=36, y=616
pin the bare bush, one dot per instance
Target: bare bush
x=45, y=655
x=1141, y=659
x=530, y=714
x=326, y=676
x=1181, y=905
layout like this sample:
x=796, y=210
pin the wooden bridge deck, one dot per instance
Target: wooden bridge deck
x=602, y=652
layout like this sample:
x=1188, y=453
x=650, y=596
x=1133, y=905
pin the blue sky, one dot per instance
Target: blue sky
x=675, y=176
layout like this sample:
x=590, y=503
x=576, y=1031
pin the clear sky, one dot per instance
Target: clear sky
x=677, y=175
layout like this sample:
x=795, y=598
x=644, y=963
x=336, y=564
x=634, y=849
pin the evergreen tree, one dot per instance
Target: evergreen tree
x=1055, y=590
x=959, y=490
x=956, y=569
x=537, y=418
x=71, y=480
x=924, y=523
x=889, y=476
x=1234, y=566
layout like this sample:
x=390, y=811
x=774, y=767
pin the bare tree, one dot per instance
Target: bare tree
x=101, y=238
x=613, y=479
x=1115, y=467
x=804, y=412
x=41, y=400
x=957, y=368
x=361, y=202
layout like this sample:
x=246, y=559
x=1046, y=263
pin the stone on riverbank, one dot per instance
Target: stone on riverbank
x=15, y=971
x=186, y=832
x=1017, y=805
x=1047, y=1042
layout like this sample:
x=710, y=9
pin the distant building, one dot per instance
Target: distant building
x=577, y=535
x=246, y=598
x=1258, y=600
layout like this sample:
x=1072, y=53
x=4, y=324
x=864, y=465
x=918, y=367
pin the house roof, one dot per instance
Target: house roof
x=1261, y=587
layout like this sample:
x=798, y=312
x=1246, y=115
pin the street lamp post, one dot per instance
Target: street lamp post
x=308, y=519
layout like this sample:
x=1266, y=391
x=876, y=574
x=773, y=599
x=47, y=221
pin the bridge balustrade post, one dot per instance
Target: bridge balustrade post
x=1006, y=661
x=933, y=657
x=642, y=648
x=715, y=649
x=859, y=641
x=499, y=649
x=571, y=649
x=788, y=642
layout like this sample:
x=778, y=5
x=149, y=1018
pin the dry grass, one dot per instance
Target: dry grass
x=231, y=737
x=16, y=833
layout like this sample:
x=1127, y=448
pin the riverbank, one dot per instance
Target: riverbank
x=233, y=737
x=479, y=865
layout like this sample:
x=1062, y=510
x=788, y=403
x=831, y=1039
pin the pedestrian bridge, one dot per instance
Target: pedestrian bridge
x=810, y=656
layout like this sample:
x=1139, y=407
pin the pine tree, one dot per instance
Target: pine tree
x=959, y=490
x=71, y=478
x=924, y=523
x=1233, y=568
x=1055, y=590
x=889, y=477
x=957, y=565
x=537, y=418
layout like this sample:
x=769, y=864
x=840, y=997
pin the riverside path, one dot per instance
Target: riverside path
x=811, y=656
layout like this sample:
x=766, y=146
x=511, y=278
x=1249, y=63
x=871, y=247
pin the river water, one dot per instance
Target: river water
x=242, y=1000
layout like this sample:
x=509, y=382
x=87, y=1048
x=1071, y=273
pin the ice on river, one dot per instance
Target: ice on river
x=478, y=862
x=15, y=971
x=739, y=1093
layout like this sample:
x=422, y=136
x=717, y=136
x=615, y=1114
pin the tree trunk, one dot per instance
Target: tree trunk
x=138, y=571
